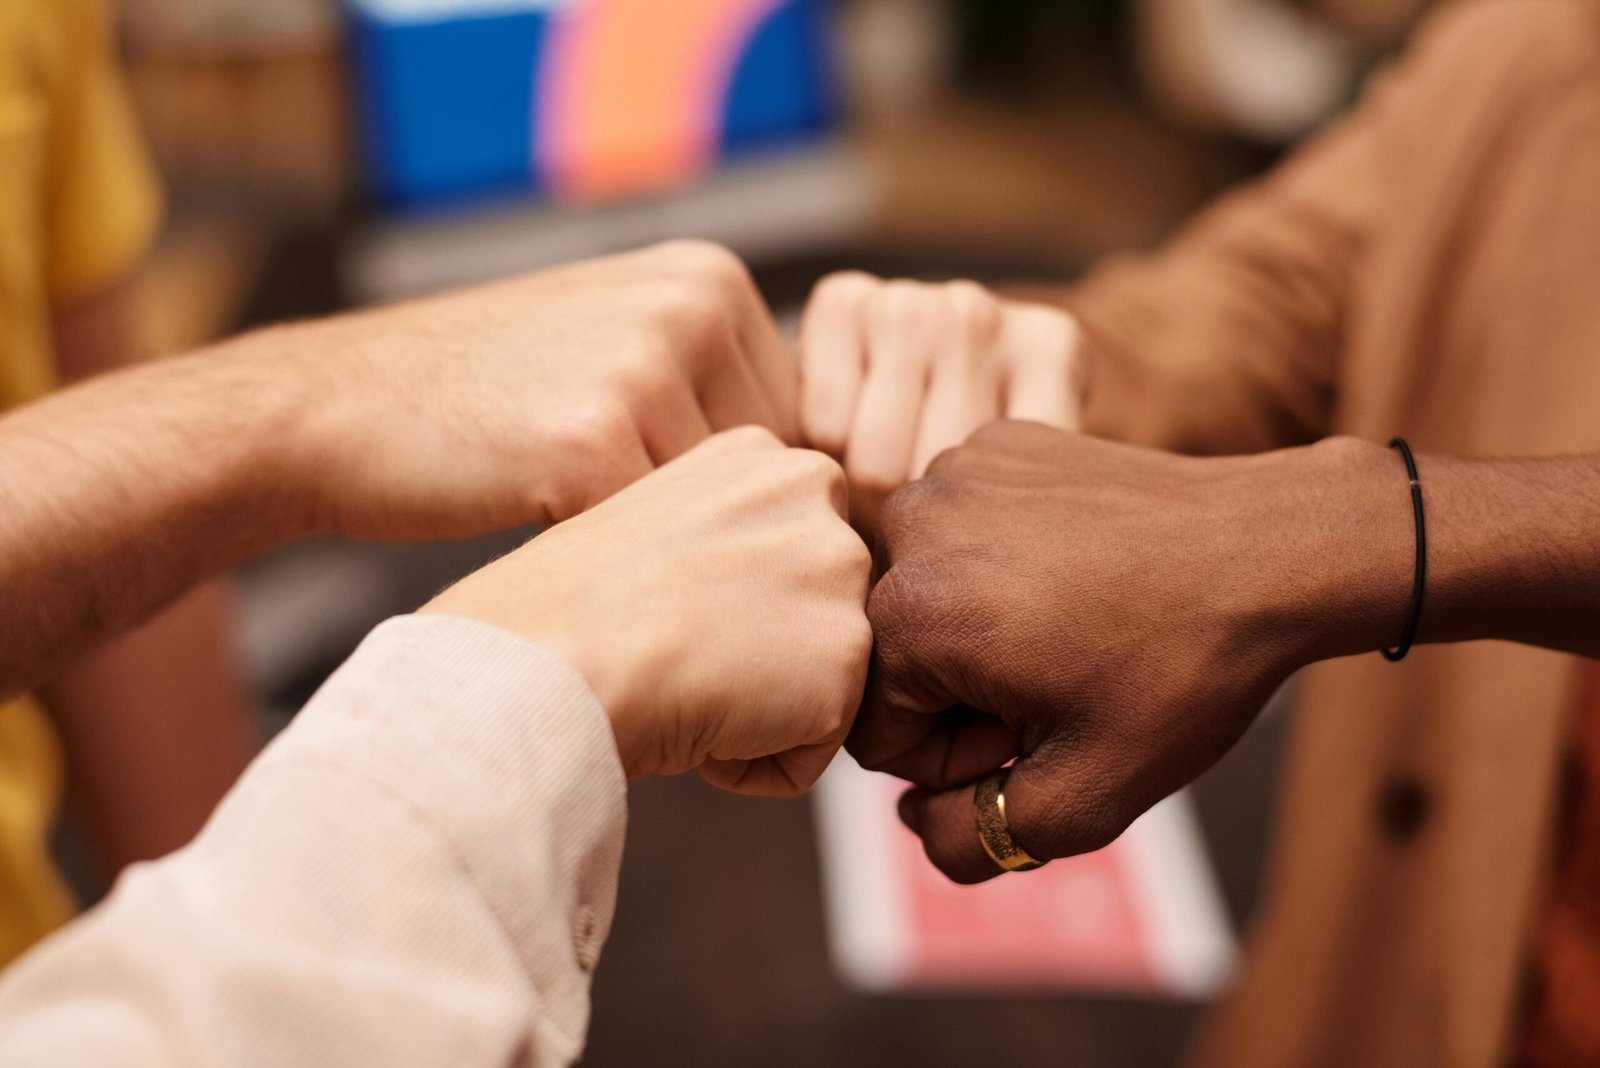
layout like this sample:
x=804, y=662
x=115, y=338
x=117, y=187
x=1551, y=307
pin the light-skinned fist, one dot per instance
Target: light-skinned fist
x=895, y=372
x=527, y=400
x=716, y=608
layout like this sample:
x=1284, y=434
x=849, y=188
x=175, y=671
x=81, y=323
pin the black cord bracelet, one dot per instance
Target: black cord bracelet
x=1420, y=581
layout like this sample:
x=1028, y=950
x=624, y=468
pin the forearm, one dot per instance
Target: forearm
x=1228, y=340
x=171, y=689
x=1511, y=549
x=117, y=495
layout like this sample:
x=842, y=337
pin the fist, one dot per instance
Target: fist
x=1111, y=618
x=897, y=372
x=532, y=399
x=716, y=608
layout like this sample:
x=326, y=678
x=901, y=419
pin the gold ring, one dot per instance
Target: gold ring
x=989, y=805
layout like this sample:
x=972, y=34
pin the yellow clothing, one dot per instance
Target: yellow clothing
x=78, y=206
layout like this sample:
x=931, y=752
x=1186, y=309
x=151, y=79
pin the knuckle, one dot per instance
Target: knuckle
x=874, y=474
x=874, y=483
x=750, y=438
x=857, y=560
x=907, y=506
x=819, y=468
x=976, y=311
x=833, y=718
x=812, y=474
x=857, y=631
x=645, y=374
x=845, y=290
x=706, y=260
x=1084, y=817
x=821, y=429
x=905, y=302
x=1094, y=829
x=723, y=275
x=1047, y=331
x=598, y=425
x=899, y=596
x=948, y=466
x=694, y=315
x=992, y=438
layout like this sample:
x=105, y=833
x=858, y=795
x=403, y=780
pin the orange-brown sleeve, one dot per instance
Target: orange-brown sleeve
x=1228, y=340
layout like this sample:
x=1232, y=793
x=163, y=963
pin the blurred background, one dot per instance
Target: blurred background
x=320, y=156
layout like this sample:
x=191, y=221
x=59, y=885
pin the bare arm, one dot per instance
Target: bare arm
x=170, y=690
x=119, y=494
x=526, y=401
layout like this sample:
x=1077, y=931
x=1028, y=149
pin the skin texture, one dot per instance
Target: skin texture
x=1112, y=617
x=716, y=607
x=534, y=399
x=171, y=690
x=895, y=372
x=525, y=401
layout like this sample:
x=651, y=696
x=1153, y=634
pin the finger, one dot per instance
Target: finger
x=732, y=397
x=1047, y=812
x=1042, y=348
x=938, y=748
x=787, y=774
x=750, y=438
x=745, y=373
x=878, y=457
x=839, y=496
x=962, y=397
x=772, y=365
x=776, y=370
x=833, y=359
x=674, y=422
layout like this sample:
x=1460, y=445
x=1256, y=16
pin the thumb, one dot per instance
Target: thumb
x=1047, y=812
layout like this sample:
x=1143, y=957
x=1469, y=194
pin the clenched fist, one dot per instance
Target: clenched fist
x=716, y=608
x=895, y=372
x=526, y=400
x=1112, y=618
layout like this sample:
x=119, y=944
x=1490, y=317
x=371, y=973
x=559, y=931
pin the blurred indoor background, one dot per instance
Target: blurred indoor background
x=320, y=156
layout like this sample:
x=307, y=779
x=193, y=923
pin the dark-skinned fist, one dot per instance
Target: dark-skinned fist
x=1111, y=618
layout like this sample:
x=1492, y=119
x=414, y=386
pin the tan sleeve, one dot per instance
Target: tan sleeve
x=103, y=202
x=420, y=871
x=1228, y=339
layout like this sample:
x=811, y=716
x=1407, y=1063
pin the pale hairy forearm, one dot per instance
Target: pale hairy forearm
x=171, y=689
x=117, y=495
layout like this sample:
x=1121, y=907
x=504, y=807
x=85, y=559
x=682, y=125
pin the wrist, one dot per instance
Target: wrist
x=272, y=470
x=296, y=422
x=1338, y=549
x=563, y=634
x=601, y=670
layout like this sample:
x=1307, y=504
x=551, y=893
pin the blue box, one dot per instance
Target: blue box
x=580, y=100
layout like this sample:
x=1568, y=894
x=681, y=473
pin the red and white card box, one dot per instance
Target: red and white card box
x=1142, y=916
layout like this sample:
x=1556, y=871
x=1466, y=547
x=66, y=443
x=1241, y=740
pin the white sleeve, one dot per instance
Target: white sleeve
x=420, y=870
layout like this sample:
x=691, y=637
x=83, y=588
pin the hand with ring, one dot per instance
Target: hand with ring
x=1103, y=622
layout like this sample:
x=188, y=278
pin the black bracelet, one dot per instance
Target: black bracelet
x=1419, y=582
